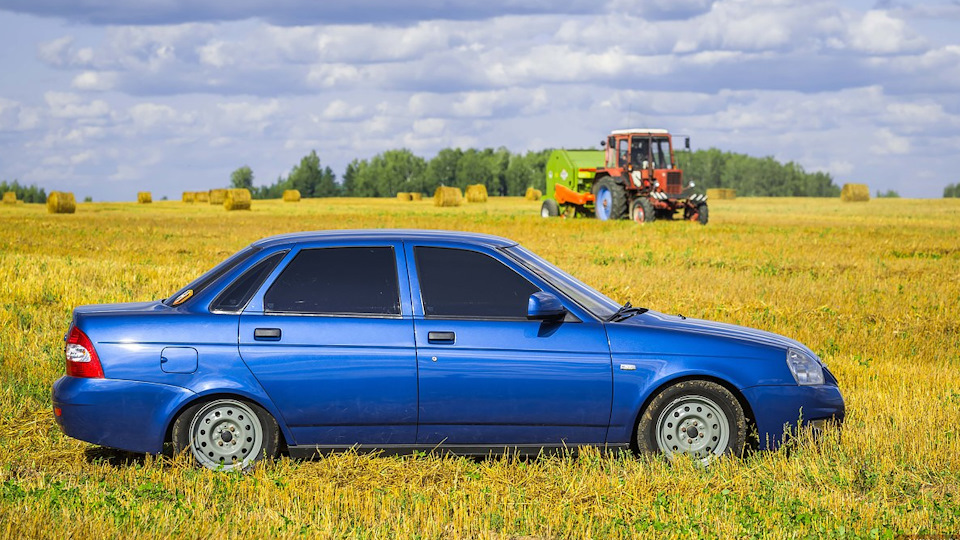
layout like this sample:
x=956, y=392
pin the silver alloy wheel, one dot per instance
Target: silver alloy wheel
x=226, y=434
x=693, y=425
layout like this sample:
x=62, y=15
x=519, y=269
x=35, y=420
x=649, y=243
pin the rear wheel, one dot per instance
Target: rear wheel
x=641, y=210
x=701, y=419
x=226, y=434
x=549, y=208
x=610, y=199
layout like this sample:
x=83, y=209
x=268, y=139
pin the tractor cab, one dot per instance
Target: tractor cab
x=645, y=156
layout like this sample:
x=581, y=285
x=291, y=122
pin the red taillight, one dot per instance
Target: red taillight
x=82, y=359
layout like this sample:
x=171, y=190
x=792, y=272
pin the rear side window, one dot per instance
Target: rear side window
x=235, y=297
x=337, y=281
x=209, y=277
x=467, y=284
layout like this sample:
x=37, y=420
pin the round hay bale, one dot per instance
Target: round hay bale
x=403, y=196
x=237, y=199
x=201, y=196
x=476, y=193
x=217, y=196
x=189, y=197
x=61, y=202
x=10, y=197
x=721, y=193
x=416, y=196
x=855, y=193
x=533, y=194
x=144, y=197
x=291, y=195
x=447, y=196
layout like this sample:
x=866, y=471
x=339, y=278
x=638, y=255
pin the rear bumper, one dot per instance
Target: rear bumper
x=778, y=409
x=127, y=415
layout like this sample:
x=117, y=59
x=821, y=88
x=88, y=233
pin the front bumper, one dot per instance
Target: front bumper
x=127, y=415
x=778, y=409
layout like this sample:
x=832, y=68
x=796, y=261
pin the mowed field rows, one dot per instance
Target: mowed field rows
x=874, y=288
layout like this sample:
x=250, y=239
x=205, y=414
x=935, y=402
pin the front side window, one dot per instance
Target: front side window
x=337, y=281
x=661, y=153
x=640, y=151
x=458, y=283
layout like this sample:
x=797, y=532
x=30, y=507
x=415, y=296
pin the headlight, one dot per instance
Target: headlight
x=805, y=368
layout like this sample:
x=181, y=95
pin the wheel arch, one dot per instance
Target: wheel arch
x=285, y=435
x=664, y=384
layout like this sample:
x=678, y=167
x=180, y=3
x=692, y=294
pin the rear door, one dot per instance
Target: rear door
x=330, y=338
x=490, y=377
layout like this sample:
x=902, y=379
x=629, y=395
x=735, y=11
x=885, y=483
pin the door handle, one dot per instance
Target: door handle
x=441, y=337
x=266, y=334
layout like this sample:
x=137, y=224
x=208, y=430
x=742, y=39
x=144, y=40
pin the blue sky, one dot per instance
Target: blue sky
x=171, y=95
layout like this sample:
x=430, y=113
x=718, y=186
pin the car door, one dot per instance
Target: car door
x=490, y=377
x=330, y=339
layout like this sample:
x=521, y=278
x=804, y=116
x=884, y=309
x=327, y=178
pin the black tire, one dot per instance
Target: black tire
x=641, y=211
x=618, y=197
x=706, y=409
x=704, y=213
x=549, y=208
x=220, y=426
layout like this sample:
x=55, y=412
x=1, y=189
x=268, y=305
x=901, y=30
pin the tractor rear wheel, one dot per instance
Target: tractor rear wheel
x=641, y=211
x=610, y=199
x=549, y=209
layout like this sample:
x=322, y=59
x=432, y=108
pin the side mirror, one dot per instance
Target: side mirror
x=544, y=306
x=603, y=143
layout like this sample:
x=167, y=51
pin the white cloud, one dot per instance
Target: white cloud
x=341, y=110
x=876, y=32
x=888, y=143
x=92, y=80
x=69, y=105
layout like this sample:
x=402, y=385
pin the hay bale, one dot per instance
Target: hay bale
x=237, y=199
x=217, y=196
x=403, y=196
x=189, y=197
x=61, y=202
x=416, y=196
x=721, y=193
x=855, y=193
x=144, y=197
x=10, y=197
x=476, y=193
x=291, y=195
x=201, y=196
x=447, y=196
x=533, y=194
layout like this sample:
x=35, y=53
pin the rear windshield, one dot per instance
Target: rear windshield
x=202, y=282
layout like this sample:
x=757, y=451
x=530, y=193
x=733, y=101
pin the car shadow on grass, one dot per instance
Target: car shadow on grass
x=113, y=457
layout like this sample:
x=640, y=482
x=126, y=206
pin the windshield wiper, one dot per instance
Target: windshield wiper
x=625, y=312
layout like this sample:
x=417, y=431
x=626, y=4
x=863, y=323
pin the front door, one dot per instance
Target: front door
x=488, y=376
x=331, y=341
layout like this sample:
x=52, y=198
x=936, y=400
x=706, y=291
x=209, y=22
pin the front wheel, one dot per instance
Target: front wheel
x=226, y=434
x=549, y=208
x=701, y=419
x=641, y=211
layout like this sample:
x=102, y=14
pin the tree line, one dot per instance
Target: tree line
x=951, y=191
x=752, y=176
x=30, y=194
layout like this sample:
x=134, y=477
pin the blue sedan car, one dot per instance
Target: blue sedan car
x=401, y=340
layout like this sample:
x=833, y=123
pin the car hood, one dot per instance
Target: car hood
x=656, y=321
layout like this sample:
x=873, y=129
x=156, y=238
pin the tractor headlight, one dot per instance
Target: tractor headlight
x=805, y=368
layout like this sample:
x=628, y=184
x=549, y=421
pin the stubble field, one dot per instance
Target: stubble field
x=873, y=288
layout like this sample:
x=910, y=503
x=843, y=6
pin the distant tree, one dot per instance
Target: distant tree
x=242, y=178
x=30, y=194
x=752, y=176
x=442, y=169
x=88, y=198
x=888, y=194
x=951, y=191
x=311, y=179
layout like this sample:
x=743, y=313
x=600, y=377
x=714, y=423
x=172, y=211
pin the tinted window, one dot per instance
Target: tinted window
x=461, y=283
x=361, y=281
x=214, y=274
x=236, y=296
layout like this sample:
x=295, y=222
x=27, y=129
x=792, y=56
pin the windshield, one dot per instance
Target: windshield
x=574, y=289
x=197, y=285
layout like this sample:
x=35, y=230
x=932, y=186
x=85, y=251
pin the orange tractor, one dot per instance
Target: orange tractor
x=636, y=176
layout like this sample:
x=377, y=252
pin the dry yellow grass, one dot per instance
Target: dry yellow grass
x=217, y=196
x=237, y=199
x=61, y=202
x=855, y=193
x=144, y=197
x=9, y=197
x=291, y=195
x=533, y=194
x=476, y=193
x=871, y=288
x=447, y=196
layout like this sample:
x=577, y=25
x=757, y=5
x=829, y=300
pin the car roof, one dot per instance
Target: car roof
x=486, y=240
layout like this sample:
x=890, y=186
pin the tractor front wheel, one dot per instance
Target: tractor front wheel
x=610, y=199
x=641, y=211
x=699, y=213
